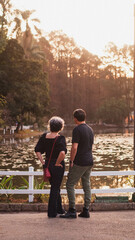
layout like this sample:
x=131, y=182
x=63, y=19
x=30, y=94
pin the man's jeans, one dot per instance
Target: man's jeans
x=75, y=173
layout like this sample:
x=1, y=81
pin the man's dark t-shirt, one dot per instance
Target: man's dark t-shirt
x=83, y=135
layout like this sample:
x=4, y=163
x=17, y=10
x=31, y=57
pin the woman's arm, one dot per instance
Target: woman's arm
x=39, y=155
x=60, y=158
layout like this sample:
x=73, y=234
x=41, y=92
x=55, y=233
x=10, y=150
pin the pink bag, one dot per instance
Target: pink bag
x=46, y=172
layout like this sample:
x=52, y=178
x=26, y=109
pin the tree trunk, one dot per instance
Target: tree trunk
x=18, y=126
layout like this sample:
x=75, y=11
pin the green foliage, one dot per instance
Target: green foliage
x=5, y=13
x=7, y=183
x=3, y=103
x=37, y=185
x=26, y=38
x=3, y=41
x=23, y=83
x=133, y=197
x=77, y=78
x=4, y=181
x=26, y=186
x=40, y=197
x=113, y=111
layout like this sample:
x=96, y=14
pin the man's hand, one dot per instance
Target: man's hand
x=71, y=164
x=73, y=153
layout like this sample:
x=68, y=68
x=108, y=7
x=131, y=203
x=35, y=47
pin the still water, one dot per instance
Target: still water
x=112, y=151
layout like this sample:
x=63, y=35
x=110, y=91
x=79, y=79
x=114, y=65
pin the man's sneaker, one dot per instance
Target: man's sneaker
x=85, y=213
x=70, y=214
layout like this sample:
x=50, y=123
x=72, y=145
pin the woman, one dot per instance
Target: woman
x=56, y=166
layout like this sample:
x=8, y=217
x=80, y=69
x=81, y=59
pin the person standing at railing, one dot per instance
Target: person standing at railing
x=81, y=162
x=56, y=165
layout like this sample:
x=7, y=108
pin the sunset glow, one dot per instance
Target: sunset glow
x=92, y=23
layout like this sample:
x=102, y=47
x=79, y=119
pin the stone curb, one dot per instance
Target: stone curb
x=41, y=207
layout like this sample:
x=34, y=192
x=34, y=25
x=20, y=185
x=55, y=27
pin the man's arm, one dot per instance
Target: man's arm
x=73, y=153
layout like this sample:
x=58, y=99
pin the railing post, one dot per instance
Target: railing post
x=31, y=183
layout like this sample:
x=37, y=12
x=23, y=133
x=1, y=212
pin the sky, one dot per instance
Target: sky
x=92, y=23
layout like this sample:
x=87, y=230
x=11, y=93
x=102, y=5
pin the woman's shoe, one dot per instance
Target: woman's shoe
x=51, y=216
x=62, y=211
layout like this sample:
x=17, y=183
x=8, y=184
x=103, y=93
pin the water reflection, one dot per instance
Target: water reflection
x=112, y=152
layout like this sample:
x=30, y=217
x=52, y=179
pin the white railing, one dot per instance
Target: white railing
x=31, y=191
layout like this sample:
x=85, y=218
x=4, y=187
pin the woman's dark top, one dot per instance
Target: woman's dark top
x=44, y=145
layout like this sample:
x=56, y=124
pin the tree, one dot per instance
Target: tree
x=119, y=62
x=72, y=78
x=27, y=88
x=5, y=13
x=113, y=111
x=2, y=105
x=64, y=50
x=127, y=53
x=113, y=59
x=26, y=38
x=45, y=47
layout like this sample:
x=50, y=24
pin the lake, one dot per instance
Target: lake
x=112, y=151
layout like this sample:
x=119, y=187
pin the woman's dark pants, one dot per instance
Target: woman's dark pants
x=55, y=205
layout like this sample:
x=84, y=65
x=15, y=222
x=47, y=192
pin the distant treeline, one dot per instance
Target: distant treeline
x=42, y=76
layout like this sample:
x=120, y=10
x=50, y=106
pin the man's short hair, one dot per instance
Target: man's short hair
x=79, y=114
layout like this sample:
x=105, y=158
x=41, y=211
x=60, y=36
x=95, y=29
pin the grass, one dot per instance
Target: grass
x=27, y=133
x=21, y=134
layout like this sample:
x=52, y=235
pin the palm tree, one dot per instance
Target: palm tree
x=26, y=38
x=5, y=14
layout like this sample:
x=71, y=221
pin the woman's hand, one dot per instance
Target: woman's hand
x=58, y=165
x=59, y=159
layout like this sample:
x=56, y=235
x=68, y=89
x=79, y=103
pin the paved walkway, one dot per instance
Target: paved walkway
x=116, y=225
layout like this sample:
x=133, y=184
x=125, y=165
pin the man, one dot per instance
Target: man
x=81, y=162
